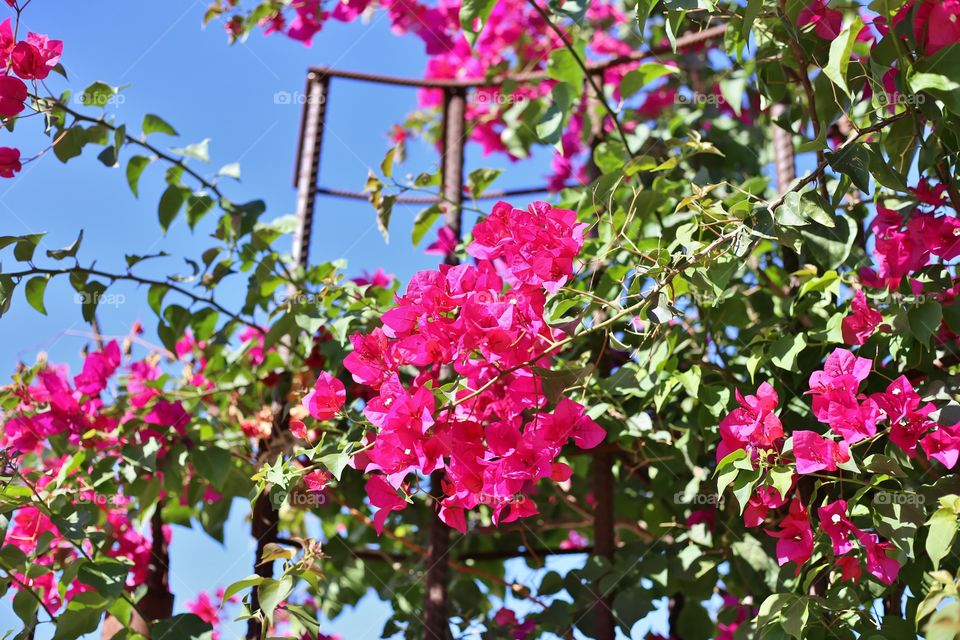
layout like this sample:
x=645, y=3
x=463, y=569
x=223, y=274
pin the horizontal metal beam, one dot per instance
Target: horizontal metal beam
x=527, y=77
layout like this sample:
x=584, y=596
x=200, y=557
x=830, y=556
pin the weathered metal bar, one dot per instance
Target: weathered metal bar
x=265, y=517
x=436, y=625
x=308, y=161
x=489, y=195
x=603, y=543
x=686, y=40
x=785, y=165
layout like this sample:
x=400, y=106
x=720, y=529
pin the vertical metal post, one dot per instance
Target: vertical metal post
x=436, y=625
x=604, y=627
x=308, y=162
x=785, y=163
x=603, y=543
x=265, y=518
x=451, y=167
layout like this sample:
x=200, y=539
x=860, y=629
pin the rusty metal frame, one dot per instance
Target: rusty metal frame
x=306, y=177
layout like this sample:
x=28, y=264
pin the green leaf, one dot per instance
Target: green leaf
x=240, y=585
x=726, y=471
x=830, y=247
x=424, y=222
x=199, y=151
x=550, y=126
x=7, y=286
x=563, y=66
x=70, y=144
x=644, y=7
x=925, y=320
x=644, y=75
x=609, y=156
x=26, y=246
x=840, y=50
x=184, y=626
x=304, y=617
x=156, y=124
x=335, y=463
x=384, y=209
x=942, y=527
x=853, y=161
x=34, y=290
x=170, y=203
x=231, y=170
x=98, y=94
x=197, y=206
x=213, y=463
x=480, y=179
x=473, y=18
x=106, y=576
x=135, y=167
x=72, y=624
x=273, y=592
x=66, y=252
x=783, y=353
x=25, y=605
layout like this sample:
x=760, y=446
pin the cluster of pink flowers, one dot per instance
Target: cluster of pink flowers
x=461, y=323
x=56, y=406
x=32, y=60
x=123, y=540
x=903, y=246
x=507, y=618
x=852, y=416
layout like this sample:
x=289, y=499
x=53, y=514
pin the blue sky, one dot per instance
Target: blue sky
x=205, y=88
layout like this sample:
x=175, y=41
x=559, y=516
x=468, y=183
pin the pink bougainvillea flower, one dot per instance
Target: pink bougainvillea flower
x=255, y=338
x=753, y=424
x=9, y=162
x=937, y=24
x=850, y=570
x=317, y=480
x=943, y=444
x=860, y=325
x=834, y=521
x=657, y=101
x=827, y=22
x=168, y=414
x=35, y=58
x=98, y=367
x=574, y=540
x=815, y=453
x=384, y=498
x=7, y=42
x=298, y=429
x=327, y=397
x=909, y=418
x=13, y=97
x=795, y=537
x=445, y=243
x=879, y=563
x=836, y=401
x=537, y=245
x=378, y=278
x=761, y=502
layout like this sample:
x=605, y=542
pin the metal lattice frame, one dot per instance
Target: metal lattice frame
x=306, y=180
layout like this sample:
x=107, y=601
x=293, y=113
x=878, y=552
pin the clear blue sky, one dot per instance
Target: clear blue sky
x=205, y=88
